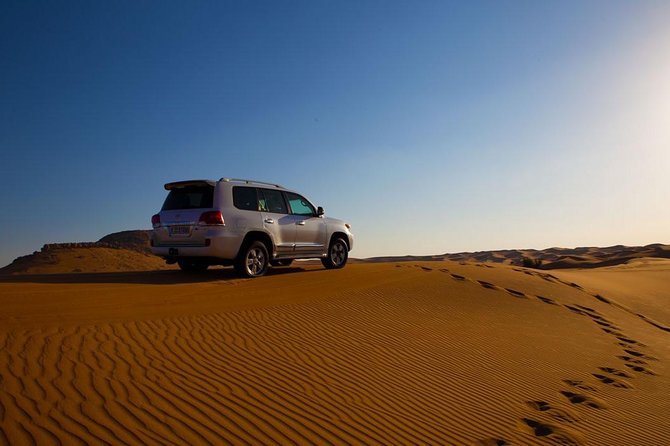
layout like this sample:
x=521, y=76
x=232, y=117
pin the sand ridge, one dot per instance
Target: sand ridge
x=425, y=353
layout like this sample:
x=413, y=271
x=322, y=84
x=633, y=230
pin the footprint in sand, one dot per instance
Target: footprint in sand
x=576, y=310
x=425, y=268
x=589, y=309
x=487, y=285
x=612, y=381
x=640, y=355
x=557, y=413
x=584, y=311
x=632, y=360
x=615, y=372
x=630, y=341
x=546, y=300
x=577, y=398
x=457, y=277
x=602, y=299
x=492, y=442
x=577, y=384
x=610, y=331
x=555, y=434
x=640, y=369
x=516, y=293
x=607, y=325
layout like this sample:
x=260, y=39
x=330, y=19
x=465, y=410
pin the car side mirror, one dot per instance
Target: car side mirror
x=319, y=211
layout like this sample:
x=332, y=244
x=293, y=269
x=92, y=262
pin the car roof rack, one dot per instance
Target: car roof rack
x=241, y=180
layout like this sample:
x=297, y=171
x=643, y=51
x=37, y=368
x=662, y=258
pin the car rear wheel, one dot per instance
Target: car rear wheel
x=338, y=253
x=253, y=260
x=191, y=266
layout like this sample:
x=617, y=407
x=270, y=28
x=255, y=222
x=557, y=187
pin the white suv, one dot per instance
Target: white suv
x=245, y=223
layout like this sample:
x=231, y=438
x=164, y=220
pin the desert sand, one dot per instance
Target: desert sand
x=389, y=353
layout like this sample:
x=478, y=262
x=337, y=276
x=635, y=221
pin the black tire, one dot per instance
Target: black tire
x=283, y=262
x=253, y=260
x=191, y=266
x=338, y=254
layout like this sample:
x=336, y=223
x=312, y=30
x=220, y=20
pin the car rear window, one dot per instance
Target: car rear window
x=190, y=197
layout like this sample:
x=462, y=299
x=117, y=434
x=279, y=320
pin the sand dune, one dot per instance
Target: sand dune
x=88, y=259
x=119, y=251
x=425, y=353
x=551, y=258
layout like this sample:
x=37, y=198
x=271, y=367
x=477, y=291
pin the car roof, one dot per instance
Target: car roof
x=252, y=182
x=201, y=182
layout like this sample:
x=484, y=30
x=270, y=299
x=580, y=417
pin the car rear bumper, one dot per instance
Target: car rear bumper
x=221, y=245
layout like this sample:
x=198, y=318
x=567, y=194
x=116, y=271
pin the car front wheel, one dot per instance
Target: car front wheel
x=338, y=253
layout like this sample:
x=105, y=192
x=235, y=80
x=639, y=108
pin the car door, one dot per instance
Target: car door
x=310, y=236
x=277, y=220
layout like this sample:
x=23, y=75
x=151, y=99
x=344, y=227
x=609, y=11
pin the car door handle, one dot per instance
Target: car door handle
x=269, y=221
x=301, y=223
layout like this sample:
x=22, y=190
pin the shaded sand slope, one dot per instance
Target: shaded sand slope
x=642, y=285
x=432, y=353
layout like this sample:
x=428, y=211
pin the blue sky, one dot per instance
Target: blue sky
x=430, y=126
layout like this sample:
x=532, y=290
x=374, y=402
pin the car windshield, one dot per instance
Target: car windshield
x=190, y=197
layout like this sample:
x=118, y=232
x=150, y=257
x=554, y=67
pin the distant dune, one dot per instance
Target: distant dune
x=551, y=258
x=434, y=353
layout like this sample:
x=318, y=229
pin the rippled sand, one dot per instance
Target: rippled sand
x=425, y=353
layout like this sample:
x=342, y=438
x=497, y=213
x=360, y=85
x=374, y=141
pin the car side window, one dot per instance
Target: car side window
x=299, y=205
x=245, y=198
x=271, y=201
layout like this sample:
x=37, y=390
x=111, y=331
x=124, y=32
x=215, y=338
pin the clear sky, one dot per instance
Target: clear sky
x=431, y=127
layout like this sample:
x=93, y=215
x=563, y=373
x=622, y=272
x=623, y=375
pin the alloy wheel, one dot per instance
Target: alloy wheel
x=337, y=253
x=255, y=261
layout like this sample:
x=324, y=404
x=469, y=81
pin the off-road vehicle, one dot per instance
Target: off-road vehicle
x=248, y=224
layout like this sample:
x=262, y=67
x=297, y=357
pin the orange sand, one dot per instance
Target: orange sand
x=425, y=353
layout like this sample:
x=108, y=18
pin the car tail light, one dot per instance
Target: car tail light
x=156, y=220
x=211, y=218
